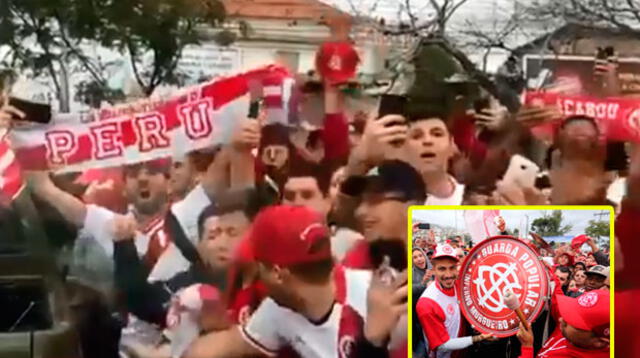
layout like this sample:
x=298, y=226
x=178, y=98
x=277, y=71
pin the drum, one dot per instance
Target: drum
x=493, y=266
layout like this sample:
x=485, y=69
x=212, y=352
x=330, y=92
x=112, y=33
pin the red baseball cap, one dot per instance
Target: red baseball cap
x=337, y=61
x=285, y=235
x=589, y=312
x=569, y=257
x=578, y=241
x=244, y=251
x=444, y=251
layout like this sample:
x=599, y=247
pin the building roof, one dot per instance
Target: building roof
x=281, y=9
x=572, y=32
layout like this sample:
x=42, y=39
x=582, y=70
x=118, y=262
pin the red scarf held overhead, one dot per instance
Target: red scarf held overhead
x=198, y=117
x=617, y=118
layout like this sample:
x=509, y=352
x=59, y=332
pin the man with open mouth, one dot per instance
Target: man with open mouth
x=430, y=139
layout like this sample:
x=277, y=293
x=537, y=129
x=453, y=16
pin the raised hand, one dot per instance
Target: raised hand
x=246, y=135
x=493, y=118
x=525, y=336
x=386, y=303
x=8, y=114
x=124, y=227
x=380, y=136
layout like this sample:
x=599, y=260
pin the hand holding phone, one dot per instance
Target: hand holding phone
x=33, y=112
x=521, y=171
x=393, y=105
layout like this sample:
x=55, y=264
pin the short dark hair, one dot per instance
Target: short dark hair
x=580, y=118
x=564, y=269
x=249, y=202
x=209, y=211
x=414, y=116
x=322, y=174
x=584, y=266
x=202, y=159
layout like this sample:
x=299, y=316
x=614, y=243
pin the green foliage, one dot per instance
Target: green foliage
x=597, y=229
x=44, y=34
x=430, y=92
x=93, y=94
x=550, y=225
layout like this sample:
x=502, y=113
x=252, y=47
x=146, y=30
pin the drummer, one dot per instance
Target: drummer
x=438, y=308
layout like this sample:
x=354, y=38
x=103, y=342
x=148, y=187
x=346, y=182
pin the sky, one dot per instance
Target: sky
x=487, y=16
x=579, y=219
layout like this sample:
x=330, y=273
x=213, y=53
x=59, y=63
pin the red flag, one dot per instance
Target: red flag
x=10, y=177
x=480, y=224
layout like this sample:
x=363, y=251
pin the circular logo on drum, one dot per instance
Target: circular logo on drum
x=494, y=267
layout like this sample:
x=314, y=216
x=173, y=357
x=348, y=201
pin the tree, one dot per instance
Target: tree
x=45, y=37
x=152, y=33
x=597, y=229
x=550, y=225
x=623, y=15
x=498, y=36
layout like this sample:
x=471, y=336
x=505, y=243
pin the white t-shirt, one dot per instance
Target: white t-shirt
x=97, y=224
x=454, y=199
x=98, y=220
x=273, y=327
x=434, y=300
x=186, y=212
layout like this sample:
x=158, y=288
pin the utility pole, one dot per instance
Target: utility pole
x=601, y=214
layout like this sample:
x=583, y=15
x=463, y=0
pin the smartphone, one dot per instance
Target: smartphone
x=34, y=112
x=254, y=110
x=609, y=51
x=392, y=104
x=521, y=171
x=543, y=182
x=387, y=273
x=481, y=104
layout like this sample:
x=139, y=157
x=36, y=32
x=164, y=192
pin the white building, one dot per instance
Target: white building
x=283, y=31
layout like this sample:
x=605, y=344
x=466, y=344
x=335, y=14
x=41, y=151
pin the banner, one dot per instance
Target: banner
x=197, y=117
x=617, y=118
x=492, y=267
x=480, y=224
x=10, y=178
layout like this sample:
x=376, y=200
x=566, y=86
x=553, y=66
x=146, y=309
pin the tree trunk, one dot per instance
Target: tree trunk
x=63, y=97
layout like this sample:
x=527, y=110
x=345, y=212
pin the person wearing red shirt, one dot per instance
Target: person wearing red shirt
x=582, y=330
x=439, y=311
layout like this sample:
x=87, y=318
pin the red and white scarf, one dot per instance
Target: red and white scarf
x=195, y=118
x=10, y=178
x=617, y=118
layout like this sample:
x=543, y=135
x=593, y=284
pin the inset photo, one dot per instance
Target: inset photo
x=511, y=282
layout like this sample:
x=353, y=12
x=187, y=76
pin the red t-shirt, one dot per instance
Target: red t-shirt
x=335, y=136
x=245, y=301
x=358, y=257
x=626, y=321
x=626, y=231
x=558, y=347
